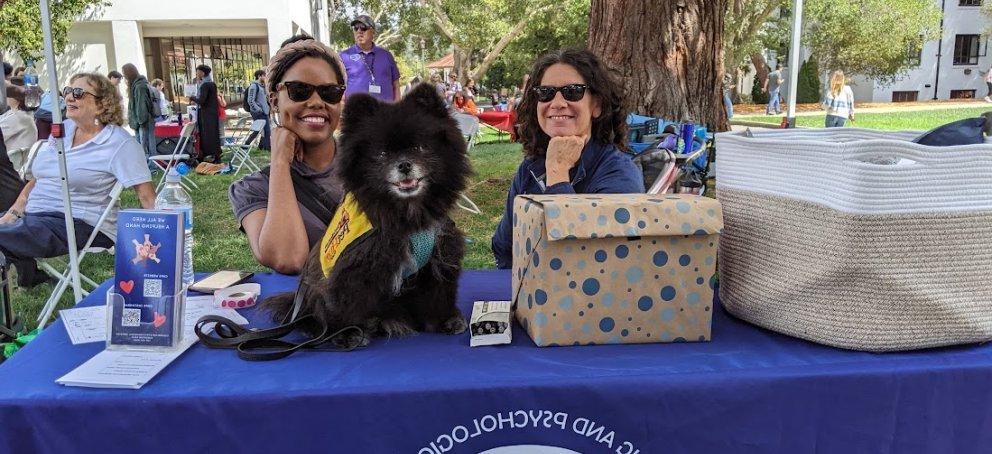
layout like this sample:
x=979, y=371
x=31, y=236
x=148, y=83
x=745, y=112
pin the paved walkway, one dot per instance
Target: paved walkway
x=746, y=110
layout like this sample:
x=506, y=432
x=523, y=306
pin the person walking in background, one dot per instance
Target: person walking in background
x=772, y=86
x=140, y=108
x=115, y=79
x=371, y=69
x=258, y=107
x=207, y=115
x=728, y=87
x=158, y=91
x=988, y=85
x=839, y=101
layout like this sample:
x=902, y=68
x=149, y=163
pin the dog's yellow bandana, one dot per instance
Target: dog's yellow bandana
x=348, y=224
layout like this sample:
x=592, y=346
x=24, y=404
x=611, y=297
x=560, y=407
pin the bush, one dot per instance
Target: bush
x=809, y=89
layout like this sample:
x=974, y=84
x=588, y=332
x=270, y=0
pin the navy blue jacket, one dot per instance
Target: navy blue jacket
x=602, y=169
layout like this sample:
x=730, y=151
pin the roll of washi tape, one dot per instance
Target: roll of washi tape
x=238, y=296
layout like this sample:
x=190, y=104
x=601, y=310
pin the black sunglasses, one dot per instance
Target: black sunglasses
x=360, y=28
x=301, y=91
x=571, y=92
x=77, y=93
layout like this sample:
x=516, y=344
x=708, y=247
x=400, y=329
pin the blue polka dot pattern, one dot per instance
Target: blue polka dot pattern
x=540, y=297
x=634, y=275
x=606, y=324
x=590, y=286
x=660, y=258
x=645, y=303
x=631, y=269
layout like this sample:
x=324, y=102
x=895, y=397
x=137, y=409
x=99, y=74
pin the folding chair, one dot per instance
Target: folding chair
x=469, y=125
x=172, y=159
x=24, y=171
x=241, y=152
x=239, y=131
x=63, y=278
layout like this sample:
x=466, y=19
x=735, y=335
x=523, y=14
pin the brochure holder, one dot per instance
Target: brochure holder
x=157, y=326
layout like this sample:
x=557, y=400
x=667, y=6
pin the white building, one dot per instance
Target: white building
x=167, y=40
x=952, y=67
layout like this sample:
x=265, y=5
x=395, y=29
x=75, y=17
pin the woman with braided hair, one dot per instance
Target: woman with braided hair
x=284, y=209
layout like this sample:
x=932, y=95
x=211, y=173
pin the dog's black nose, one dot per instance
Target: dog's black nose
x=405, y=167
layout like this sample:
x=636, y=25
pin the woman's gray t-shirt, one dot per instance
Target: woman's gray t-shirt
x=251, y=193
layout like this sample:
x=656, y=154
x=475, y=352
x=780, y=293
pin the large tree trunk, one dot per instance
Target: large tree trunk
x=761, y=69
x=668, y=54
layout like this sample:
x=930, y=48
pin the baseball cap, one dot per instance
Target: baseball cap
x=364, y=20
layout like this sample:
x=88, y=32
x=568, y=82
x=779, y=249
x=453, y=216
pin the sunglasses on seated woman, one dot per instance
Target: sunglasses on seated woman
x=571, y=92
x=77, y=93
x=301, y=91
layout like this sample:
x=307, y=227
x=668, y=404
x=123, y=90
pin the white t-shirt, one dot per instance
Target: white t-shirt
x=93, y=168
x=19, y=130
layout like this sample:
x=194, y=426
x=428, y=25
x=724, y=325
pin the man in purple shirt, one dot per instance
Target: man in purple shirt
x=371, y=69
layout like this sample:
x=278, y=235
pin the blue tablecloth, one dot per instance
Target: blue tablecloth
x=749, y=390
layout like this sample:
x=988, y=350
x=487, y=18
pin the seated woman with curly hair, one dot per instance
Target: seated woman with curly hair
x=98, y=154
x=573, y=129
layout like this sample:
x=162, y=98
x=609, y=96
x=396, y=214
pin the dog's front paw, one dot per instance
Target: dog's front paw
x=351, y=339
x=454, y=325
x=396, y=328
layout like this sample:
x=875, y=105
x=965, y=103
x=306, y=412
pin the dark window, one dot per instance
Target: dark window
x=962, y=94
x=914, y=53
x=905, y=96
x=966, y=49
x=970, y=3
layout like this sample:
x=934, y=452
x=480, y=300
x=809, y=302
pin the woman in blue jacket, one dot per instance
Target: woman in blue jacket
x=573, y=129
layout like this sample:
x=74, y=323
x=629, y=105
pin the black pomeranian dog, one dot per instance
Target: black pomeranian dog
x=405, y=164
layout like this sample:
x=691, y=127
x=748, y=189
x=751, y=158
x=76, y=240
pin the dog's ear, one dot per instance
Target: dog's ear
x=358, y=108
x=426, y=97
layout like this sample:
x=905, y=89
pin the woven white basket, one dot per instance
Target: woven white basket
x=855, y=238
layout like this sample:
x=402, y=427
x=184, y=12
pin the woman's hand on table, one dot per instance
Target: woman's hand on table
x=563, y=153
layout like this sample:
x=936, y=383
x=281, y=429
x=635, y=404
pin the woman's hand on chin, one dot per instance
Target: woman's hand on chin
x=286, y=146
x=563, y=153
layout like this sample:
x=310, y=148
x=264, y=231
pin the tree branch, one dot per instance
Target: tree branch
x=444, y=24
x=494, y=51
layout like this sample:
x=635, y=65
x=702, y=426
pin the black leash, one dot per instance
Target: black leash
x=266, y=344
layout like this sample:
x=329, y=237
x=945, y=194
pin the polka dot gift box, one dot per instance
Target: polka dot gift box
x=614, y=268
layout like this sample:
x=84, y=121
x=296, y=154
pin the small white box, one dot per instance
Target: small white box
x=491, y=323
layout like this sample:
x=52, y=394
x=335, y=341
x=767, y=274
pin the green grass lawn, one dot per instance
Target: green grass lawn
x=218, y=244
x=895, y=121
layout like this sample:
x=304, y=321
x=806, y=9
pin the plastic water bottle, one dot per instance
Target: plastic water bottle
x=174, y=197
x=32, y=92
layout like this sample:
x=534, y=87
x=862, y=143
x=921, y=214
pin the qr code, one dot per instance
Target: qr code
x=153, y=288
x=131, y=317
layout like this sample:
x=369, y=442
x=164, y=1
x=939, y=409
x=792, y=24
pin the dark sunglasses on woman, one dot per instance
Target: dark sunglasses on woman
x=77, y=93
x=301, y=91
x=571, y=92
x=360, y=28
